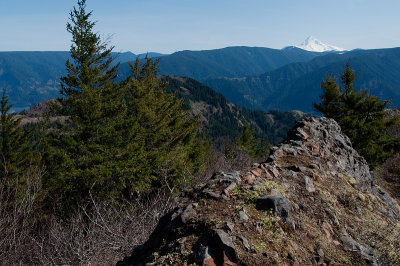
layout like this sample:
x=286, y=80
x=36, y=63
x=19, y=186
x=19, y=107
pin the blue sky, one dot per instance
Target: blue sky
x=171, y=25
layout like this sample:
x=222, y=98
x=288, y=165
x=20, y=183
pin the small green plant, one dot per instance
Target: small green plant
x=251, y=196
x=238, y=208
x=237, y=190
x=259, y=246
x=270, y=223
x=270, y=185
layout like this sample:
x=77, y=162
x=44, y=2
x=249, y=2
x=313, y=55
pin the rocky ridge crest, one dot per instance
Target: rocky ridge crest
x=313, y=202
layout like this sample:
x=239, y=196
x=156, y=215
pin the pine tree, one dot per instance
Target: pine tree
x=362, y=117
x=247, y=143
x=91, y=66
x=169, y=134
x=89, y=75
x=14, y=142
x=77, y=157
x=121, y=138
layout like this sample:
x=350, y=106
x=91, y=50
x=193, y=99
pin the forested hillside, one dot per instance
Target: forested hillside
x=253, y=77
x=296, y=85
x=32, y=77
x=220, y=118
x=230, y=62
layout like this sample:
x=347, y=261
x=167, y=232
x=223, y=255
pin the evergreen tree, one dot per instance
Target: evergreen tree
x=247, y=143
x=89, y=75
x=91, y=66
x=169, y=134
x=362, y=117
x=120, y=139
x=14, y=142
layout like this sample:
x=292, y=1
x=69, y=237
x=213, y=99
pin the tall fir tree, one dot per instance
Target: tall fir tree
x=121, y=139
x=91, y=65
x=247, y=143
x=15, y=149
x=169, y=134
x=77, y=156
x=362, y=117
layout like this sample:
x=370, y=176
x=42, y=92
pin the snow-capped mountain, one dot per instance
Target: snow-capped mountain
x=314, y=45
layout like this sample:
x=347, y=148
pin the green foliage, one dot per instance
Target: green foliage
x=295, y=86
x=247, y=143
x=15, y=148
x=221, y=119
x=169, y=133
x=92, y=59
x=362, y=118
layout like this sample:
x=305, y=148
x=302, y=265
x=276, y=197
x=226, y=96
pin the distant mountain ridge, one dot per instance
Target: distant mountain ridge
x=254, y=77
x=297, y=85
x=219, y=118
x=237, y=61
x=32, y=77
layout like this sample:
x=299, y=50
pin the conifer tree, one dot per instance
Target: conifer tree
x=14, y=142
x=168, y=133
x=362, y=117
x=247, y=143
x=121, y=138
x=91, y=65
x=78, y=159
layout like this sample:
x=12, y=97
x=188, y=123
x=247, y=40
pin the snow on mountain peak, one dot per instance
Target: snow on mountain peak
x=314, y=45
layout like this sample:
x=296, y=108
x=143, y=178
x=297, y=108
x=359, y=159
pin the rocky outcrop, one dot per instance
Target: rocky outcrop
x=313, y=202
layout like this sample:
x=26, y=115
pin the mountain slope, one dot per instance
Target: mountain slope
x=297, y=85
x=221, y=118
x=313, y=202
x=227, y=62
x=32, y=77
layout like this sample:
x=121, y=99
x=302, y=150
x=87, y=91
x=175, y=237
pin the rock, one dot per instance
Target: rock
x=228, y=190
x=309, y=184
x=229, y=226
x=203, y=257
x=246, y=244
x=249, y=178
x=211, y=194
x=188, y=213
x=280, y=205
x=230, y=177
x=256, y=172
x=227, y=245
x=209, y=262
x=350, y=244
x=316, y=158
x=393, y=211
x=328, y=230
x=243, y=216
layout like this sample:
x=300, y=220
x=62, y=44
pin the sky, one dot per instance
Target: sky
x=166, y=26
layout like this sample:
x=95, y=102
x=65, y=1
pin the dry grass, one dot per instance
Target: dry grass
x=389, y=176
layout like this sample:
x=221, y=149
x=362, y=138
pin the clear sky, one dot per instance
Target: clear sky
x=166, y=26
